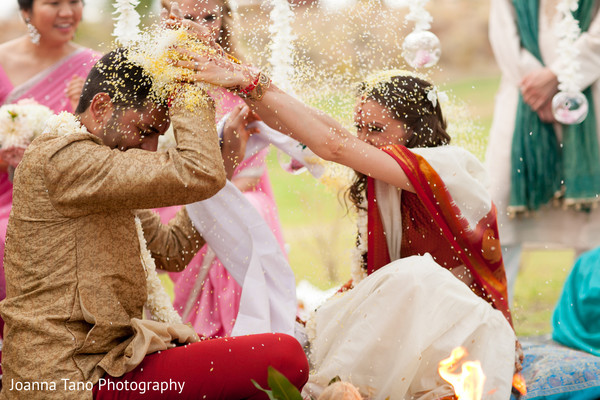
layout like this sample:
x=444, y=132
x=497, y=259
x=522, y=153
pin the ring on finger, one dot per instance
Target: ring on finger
x=196, y=66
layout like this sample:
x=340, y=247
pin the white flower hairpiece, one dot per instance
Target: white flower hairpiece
x=433, y=95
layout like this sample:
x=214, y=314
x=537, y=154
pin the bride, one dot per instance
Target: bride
x=429, y=275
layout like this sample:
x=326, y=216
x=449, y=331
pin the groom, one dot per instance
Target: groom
x=72, y=261
x=76, y=285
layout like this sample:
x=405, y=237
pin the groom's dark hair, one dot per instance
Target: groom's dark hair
x=126, y=83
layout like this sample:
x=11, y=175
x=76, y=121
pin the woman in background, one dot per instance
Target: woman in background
x=205, y=293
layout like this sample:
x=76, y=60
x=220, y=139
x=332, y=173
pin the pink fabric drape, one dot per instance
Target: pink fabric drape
x=48, y=87
x=213, y=309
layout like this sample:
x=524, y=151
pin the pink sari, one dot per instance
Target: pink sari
x=47, y=88
x=205, y=294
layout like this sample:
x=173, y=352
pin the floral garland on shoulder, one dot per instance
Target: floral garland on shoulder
x=64, y=124
x=158, y=302
x=358, y=270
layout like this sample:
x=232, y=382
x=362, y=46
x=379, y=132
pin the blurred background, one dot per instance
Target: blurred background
x=337, y=42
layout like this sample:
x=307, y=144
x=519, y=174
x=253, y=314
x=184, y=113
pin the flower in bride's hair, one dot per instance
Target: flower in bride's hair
x=433, y=95
x=22, y=122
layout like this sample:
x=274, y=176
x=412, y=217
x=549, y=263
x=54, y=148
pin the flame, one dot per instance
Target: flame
x=518, y=383
x=468, y=384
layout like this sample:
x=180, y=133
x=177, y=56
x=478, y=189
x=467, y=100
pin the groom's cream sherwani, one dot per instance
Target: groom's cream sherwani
x=75, y=282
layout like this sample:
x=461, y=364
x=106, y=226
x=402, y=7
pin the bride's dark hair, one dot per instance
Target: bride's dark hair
x=406, y=98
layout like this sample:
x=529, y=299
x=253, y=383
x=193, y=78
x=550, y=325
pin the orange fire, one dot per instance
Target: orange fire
x=468, y=384
x=519, y=383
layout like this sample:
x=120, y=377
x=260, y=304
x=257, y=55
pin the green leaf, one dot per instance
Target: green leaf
x=334, y=380
x=268, y=392
x=281, y=386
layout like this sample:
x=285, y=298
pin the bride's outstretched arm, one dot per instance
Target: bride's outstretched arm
x=326, y=137
x=321, y=133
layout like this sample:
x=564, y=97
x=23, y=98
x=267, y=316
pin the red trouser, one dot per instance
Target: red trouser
x=211, y=369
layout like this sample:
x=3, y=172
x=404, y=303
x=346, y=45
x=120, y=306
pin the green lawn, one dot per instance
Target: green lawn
x=320, y=235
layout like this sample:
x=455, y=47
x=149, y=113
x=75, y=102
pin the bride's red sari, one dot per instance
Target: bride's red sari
x=433, y=222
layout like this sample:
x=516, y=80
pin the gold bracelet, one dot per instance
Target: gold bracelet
x=264, y=82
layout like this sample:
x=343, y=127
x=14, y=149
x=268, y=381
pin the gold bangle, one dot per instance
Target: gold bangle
x=264, y=82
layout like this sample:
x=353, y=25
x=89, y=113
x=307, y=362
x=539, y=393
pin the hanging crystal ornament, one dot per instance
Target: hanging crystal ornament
x=421, y=48
x=569, y=108
x=569, y=105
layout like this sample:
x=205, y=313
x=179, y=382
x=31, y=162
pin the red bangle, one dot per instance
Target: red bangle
x=248, y=89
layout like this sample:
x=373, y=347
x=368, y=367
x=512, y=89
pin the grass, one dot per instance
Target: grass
x=320, y=236
x=538, y=288
x=315, y=226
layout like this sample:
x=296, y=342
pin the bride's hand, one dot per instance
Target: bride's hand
x=216, y=70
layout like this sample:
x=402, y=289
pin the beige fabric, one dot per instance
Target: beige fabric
x=550, y=225
x=75, y=283
x=151, y=336
x=388, y=334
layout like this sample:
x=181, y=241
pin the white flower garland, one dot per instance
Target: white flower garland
x=63, y=124
x=419, y=15
x=567, y=31
x=357, y=270
x=281, y=59
x=127, y=21
x=158, y=301
x=22, y=122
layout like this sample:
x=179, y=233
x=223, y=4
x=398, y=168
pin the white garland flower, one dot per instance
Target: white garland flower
x=158, y=301
x=22, y=122
x=567, y=32
x=419, y=15
x=63, y=124
x=357, y=270
x=310, y=328
x=281, y=46
x=127, y=21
